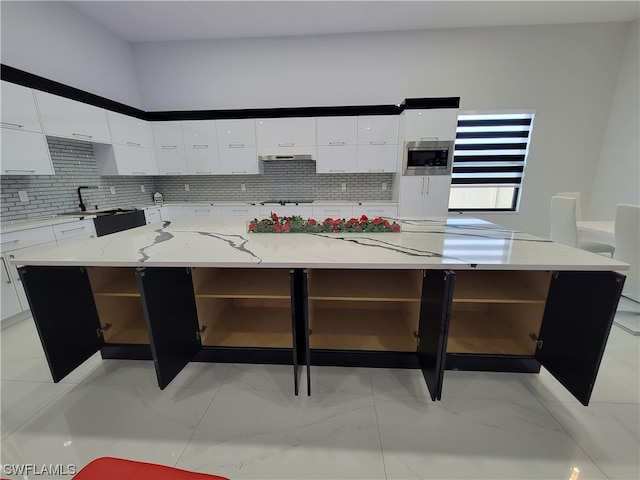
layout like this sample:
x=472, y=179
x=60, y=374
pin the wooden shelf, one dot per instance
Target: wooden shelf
x=241, y=283
x=366, y=285
x=126, y=316
x=494, y=330
x=113, y=281
x=238, y=323
x=501, y=287
x=361, y=329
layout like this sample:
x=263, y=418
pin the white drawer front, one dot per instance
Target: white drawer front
x=373, y=211
x=202, y=211
x=332, y=211
x=82, y=228
x=247, y=211
x=26, y=238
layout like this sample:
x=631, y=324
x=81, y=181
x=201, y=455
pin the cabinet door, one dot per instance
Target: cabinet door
x=202, y=160
x=337, y=159
x=65, y=315
x=127, y=130
x=171, y=161
x=433, y=330
x=199, y=133
x=378, y=130
x=575, y=327
x=320, y=212
x=167, y=135
x=238, y=161
x=67, y=233
x=436, y=199
x=169, y=212
x=431, y=124
x=25, y=153
x=247, y=211
x=19, y=108
x=152, y=215
x=285, y=132
x=236, y=133
x=373, y=211
x=337, y=130
x=172, y=320
x=299, y=285
x=10, y=303
x=133, y=160
x=66, y=118
x=201, y=211
x=412, y=197
x=377, y=159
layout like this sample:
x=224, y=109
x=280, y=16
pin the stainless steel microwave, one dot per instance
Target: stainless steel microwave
x=428, y=157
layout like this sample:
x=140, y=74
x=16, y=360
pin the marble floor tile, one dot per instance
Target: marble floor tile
x=608, y=433
x=477, y=439
x=261, y=434
x=397, y=383
x=90, y=421
x=262, y=377
x=338, y=380
x=19, y=401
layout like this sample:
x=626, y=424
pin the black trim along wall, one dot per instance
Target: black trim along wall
x=20, y=77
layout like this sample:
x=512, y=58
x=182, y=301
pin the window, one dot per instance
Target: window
x=489, y=159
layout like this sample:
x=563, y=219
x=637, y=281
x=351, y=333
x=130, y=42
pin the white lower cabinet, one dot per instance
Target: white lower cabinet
x=377, y=159
x=169, y=212
x=248, y=211
x=320, y=212
x=72, y=232
x=373, y=211
x=10, y=304
x=422, y=197
x=238, y=161
x=201, y=211
x=25, y=153
x=304, y=211
x=152, y=215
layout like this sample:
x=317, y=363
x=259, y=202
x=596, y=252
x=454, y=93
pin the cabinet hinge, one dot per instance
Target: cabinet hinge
x=415, y=335
x=536, y=339
x=200, y=332
x=100, y=331
x=310, y=331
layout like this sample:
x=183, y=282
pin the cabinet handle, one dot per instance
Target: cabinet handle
x=12, y=124
x=329, y=210
x=238, y=211
x=376, y=170
x=18, y=170
x=337, y=171
x=12, y=257
x=429, y=138
x=139, y=173
x=377, y=143
x=72, y=229
x=244, y=171
x=203, y=173
x=373, y=210
x=426, y=180
x=4, y=264
x=236, y=145
x=169, y=146
x=81, y=135
x=336, y=143
x=172, y=173
x=422, y=191
x=10, y=241
x=288, y=144
x=133, y=143
x=201, y=145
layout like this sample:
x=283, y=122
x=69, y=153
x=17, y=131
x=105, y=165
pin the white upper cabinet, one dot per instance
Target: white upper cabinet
x=25, y=153
x=236, y=133
x=286, y=132
x=126, y=130
x=430, y=124
x=202, y=161
x=378, y=130
x=199, y=134
x=377, y=159
x=167, y=135
x=337, y=130
x=238, y=161
x=171, y=161
x=19, y=108
x=336, y=159
x=62, y=117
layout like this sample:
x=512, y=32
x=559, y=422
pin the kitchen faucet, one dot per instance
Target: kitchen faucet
x=82, y=205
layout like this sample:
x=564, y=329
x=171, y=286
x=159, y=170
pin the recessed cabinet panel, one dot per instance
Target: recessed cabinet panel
x=25, y=153
x=62, y=117
x=236, y=133
x=19, y=108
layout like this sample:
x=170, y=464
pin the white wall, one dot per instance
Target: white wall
x=57, y=42
x=567, y=73
x=617, y=178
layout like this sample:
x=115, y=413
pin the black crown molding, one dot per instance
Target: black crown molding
x=26, y=79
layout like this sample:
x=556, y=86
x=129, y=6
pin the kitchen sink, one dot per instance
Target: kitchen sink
x=98, y=213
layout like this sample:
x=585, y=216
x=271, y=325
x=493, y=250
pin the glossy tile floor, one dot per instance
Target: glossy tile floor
x=244, y=422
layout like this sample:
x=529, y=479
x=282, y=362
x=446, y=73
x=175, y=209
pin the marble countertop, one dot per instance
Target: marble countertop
x=445, y=243
x=18, y=225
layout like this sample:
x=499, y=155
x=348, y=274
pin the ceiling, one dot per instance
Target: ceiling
x=153, y=21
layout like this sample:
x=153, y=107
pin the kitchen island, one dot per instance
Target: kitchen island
x=448, y=293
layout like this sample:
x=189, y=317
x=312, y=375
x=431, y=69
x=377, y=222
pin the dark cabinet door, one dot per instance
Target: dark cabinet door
x=65, y=315
x=575, y=327
x=435, y=310
x=300, y=326
x=171, y=316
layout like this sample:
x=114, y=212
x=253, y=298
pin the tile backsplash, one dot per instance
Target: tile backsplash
x=75, y=165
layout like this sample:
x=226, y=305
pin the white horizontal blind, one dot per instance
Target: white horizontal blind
x=491, y=151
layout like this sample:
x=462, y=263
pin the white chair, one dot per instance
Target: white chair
x=577, y=196
x=564, y=228
x=627, y=231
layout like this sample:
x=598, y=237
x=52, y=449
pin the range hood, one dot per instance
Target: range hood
x=297, y=156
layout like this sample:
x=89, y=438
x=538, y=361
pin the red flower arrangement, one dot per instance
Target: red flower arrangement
x=296, y=224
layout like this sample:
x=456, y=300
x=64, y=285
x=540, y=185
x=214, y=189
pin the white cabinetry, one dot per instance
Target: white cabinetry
x=247, y=211
x=68, y=233
x=201, y=211
x=320, y=212
x=286, y=136
x=24, y=147
x=152, y=215
x=430, y=124
x=126, y=130
x=237, y=146
x=169, y=146
x=377, y=144
x=304, y=211
x=337, y=144
x=201, y=147
x=373, y=210
x=169, y=212
x=422, y=197
x=62, y=117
